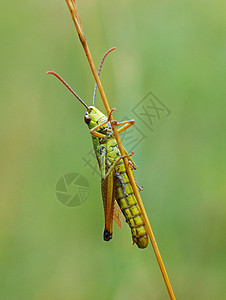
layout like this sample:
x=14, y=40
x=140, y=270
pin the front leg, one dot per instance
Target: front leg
x=124, y=124
x=94, y=131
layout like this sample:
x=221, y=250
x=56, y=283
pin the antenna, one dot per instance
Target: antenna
x=70, y=89
x=100, y=67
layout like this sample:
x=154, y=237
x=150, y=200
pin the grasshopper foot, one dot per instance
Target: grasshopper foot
x=109, y=117
x=140, y=188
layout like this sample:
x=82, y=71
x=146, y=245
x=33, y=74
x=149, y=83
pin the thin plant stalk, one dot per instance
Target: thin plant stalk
x=78, y=24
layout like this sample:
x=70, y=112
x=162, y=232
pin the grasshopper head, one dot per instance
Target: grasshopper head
x=93, y=117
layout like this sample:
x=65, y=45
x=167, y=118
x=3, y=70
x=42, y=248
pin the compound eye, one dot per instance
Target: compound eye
x=87, y=119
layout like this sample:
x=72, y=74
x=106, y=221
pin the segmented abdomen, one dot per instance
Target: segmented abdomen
x=130, y=208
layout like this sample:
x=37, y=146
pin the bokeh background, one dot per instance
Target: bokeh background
x=177, y=51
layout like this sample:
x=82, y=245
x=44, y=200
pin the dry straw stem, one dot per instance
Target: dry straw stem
x=78, y=24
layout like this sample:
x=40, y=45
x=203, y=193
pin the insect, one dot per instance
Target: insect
x=119, y=188
x=117, y=193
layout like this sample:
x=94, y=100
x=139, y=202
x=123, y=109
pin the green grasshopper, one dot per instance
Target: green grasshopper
x=117, y=193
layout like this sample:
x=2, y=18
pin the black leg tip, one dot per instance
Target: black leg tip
x=107, y=235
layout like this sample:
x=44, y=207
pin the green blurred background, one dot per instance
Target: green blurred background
x=174, y=49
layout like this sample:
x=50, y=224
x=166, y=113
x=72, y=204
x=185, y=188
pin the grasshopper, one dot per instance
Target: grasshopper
x=117, y=193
